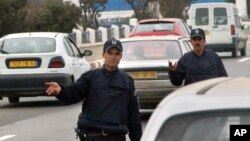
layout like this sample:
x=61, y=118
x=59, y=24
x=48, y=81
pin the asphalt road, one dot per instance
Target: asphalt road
x=45, y=118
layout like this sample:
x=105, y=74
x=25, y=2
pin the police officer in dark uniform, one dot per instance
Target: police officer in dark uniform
x=110, y=109
x=199, y=64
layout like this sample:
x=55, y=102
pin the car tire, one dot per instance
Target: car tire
x=13, y=99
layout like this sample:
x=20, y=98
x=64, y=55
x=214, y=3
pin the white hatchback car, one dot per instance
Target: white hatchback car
x=204, y=111
x=28, y=60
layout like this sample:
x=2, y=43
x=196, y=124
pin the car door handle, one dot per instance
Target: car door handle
x=215, y=26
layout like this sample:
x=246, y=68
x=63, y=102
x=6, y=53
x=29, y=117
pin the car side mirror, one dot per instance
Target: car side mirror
x=244, y=27
x=87, y=53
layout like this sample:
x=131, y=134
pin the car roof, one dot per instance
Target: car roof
x=31, y=34
x=215, y=92
x=223, y=93
x=160, y=19
x=166, y=37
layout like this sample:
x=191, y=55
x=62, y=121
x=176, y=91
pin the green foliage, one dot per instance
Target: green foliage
x=28, y=16
x=144, y=9
x=61, y=18
x=91, y=10
x=172, y=8
x=11, y=15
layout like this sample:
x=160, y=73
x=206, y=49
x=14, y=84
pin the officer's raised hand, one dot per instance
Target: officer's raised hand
x=172, y=66
x=54, y=88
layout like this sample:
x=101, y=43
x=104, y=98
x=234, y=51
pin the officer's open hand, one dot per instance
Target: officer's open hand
x=172, y=66
x=53, y=88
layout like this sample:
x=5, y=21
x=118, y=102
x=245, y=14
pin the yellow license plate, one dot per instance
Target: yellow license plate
x=22, y=64
x=143, y=74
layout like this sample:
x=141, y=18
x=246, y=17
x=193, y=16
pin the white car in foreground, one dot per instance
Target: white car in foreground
x=28, y=60
x=203, y=111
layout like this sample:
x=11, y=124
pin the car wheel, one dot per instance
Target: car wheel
x=13, y=99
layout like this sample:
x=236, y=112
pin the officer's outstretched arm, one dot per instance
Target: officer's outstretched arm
x=53, y=88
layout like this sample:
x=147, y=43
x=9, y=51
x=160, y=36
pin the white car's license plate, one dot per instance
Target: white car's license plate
x=22, y=64
x=143, y=74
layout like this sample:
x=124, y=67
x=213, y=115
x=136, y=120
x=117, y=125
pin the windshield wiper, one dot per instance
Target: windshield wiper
x=3, y=51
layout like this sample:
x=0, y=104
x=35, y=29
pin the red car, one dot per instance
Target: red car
x=162, y=26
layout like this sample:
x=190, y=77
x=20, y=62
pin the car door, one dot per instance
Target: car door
x=75, y=59
x=221, y=24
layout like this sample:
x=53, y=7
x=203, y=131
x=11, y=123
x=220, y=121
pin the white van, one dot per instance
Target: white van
x=221, y=22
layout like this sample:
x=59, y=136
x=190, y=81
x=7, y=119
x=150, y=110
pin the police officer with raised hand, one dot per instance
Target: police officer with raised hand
x=110, y=109
x=198, y=64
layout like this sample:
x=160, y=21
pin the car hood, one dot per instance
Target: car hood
x=145, y=64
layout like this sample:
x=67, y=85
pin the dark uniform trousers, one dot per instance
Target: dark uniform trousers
x=113, y=137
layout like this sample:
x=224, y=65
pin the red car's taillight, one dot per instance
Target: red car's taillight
x=56, y=62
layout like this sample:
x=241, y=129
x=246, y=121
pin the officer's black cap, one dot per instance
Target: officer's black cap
x=198, y=32
x=112, y=43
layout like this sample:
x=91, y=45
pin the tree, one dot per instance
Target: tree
x=38, y=15
x=91, y=10
x=144, y=9
x=50, y=15
x=172, y=8
x=11, y=15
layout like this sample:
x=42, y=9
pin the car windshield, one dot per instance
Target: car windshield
x=150, y=27
x=28, y=45
x=151, y=50
x=209, y=126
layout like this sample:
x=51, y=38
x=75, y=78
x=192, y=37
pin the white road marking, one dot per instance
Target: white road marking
x=244, y=59
x=6, y=137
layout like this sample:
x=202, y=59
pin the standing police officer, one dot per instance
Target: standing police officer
x=199, y=64
x=110, y=109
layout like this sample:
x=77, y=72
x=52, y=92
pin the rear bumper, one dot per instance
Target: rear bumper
x=153, y=96
x=238, y=43
x=29, y=84
x=150, y=93
x=221, y=47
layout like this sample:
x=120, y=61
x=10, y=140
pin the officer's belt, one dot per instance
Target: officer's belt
x=97, y=133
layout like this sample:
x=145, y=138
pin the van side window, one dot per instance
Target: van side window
x=220, y=16
x=201, y=16
x=237, y=21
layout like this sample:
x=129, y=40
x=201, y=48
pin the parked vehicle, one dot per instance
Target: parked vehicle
x=146, y=60
x=221, y=22
x=28, y=60
x=161, y=26
x=201, y=111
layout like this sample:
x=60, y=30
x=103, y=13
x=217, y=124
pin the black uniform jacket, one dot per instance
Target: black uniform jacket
x=110, y=102
x=193, y=68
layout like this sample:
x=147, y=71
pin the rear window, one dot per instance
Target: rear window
x=149, y=27
x=220, y=16
x=209, y=126
x=28, y=45
x=151, y=50
x=201, y=16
